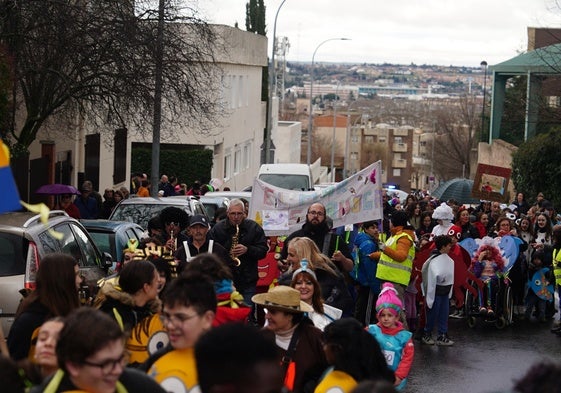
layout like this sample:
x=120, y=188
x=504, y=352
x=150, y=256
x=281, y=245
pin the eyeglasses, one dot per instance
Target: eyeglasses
x=176, y=319
x=314, y=213
x=175, y=224
x=109, y=365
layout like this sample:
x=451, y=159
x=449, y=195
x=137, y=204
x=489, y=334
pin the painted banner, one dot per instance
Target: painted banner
x=353, y=200
x=10, y=196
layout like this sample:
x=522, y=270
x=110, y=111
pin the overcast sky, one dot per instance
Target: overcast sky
x=442, y=32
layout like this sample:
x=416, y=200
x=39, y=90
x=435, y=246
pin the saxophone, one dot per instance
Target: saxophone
x=235, y=240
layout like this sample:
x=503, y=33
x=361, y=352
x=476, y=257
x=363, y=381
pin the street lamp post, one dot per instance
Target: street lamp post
x=272, y=92
x=484, y=66
x=310, y=115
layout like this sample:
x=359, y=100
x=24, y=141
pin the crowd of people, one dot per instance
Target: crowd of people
x=184, y=309
x=90, y=204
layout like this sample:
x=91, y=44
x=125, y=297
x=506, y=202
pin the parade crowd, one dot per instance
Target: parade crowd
x=184, y=312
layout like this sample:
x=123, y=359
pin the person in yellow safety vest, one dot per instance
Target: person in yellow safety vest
x=556, y=235
x=395, y=258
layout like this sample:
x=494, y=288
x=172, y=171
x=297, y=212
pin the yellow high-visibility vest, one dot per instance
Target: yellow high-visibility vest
x=394, y=271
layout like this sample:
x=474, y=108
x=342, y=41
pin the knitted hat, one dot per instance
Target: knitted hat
x=388, y=300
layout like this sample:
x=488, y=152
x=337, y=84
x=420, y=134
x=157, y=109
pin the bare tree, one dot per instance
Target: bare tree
x=457, y=125
x=96, y=60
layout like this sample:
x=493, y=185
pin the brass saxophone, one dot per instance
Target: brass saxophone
x=235, y=240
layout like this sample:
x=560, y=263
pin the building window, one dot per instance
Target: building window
x=382, y=139
x=355, y=139
x=246, y=156
x=396, y=172
x=227, y=167
x=369, y=139
x=120, y=156
x=398, y=139
x=237, y=161
x=354, y=155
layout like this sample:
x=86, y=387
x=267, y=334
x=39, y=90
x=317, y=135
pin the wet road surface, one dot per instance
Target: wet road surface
x=483, y=359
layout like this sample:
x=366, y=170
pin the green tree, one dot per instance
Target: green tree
x=255, y=17
x=535, y=166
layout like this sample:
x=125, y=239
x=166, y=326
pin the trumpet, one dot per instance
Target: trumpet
x=235, y=240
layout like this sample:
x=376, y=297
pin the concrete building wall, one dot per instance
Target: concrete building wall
x=288, y=142
x=236, y=140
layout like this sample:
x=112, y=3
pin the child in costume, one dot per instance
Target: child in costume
x=537, y=286
x=438, y=280
x=487, y=265
x=395, y=341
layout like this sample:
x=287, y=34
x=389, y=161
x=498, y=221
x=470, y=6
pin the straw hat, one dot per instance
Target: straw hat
x=283, y=298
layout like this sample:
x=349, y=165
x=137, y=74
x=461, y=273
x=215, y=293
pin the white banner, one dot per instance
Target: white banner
x=353, y=200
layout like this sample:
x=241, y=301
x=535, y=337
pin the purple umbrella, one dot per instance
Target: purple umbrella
x=57, y=189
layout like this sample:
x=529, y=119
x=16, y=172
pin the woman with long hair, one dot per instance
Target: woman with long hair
x=463, y=221
x=55, y=294
x=427, y=224
x=333, y=286
x=413, y=211
x=304, y=280
x=132, y=300
x=543, y=231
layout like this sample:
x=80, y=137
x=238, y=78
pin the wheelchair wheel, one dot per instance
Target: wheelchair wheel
x=472, y=321
x=508, y=306
x=501, y=322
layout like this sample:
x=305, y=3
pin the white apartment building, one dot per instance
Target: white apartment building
x=236, y=141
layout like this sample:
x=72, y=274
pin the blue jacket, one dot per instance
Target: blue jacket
x=364, y=270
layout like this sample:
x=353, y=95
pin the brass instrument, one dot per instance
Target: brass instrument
x=174, y=244
x=172, y=262
x=235, y=240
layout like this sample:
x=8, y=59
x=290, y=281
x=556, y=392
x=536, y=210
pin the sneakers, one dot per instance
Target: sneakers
x=427, y=339
x=444, y=341
x=458, y=314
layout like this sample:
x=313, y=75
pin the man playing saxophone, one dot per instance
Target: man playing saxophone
x=251, y=246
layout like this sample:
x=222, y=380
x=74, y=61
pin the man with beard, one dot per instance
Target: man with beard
x=317, y=228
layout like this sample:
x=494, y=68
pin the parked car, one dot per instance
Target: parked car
x=394, y=192
x=213, y=203
x=230, y=195
x=113, y=236
x=25, y=240
x=141, y=210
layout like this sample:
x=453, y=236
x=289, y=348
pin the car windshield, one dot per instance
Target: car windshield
x=139, y=213
x=11, y=255
x=290, y=182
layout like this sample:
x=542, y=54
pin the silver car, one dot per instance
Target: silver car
x=25, y=240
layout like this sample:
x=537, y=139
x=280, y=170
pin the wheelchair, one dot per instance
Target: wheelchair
x=502, y=306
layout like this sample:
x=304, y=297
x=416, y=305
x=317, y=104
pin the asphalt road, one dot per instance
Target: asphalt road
x=483, y=359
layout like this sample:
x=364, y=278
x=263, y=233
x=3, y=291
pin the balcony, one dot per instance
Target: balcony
x=399, y=147
x=399, y=163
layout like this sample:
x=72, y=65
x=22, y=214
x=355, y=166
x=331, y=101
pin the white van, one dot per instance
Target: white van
x=290, y=176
